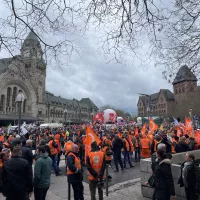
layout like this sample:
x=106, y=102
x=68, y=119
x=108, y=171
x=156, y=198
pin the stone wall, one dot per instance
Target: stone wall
x=145, y=170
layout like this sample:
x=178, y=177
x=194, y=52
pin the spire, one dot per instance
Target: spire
x=184, y=74
x=32, y=36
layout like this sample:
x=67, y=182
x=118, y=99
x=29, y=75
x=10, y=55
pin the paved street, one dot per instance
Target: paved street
x=125, y=185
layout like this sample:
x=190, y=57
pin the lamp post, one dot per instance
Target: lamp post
x=19, y=100
x=65, y=114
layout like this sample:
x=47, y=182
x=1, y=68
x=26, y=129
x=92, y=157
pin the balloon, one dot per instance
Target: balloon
x=109, y=115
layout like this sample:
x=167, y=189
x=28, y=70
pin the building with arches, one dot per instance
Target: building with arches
x=27, y=72
x=185, y=96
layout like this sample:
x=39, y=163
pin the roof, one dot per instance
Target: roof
x=184, y=74
x=59, y=101
x=32, y=36
x=169, y=96
x=89, y=102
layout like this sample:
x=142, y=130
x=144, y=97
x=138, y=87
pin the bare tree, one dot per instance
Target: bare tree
x=57, y=19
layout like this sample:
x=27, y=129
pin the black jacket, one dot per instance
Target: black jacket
x=17, y=177
x=163, y=179
x=27, y=154
x=193, y=177
x=181, y=147
x=117, y=145
x=77, y=176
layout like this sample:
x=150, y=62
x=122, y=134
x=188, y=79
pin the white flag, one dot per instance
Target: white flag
x=23, y=130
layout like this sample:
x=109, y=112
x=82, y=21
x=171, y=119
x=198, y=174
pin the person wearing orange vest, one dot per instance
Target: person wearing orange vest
x=2, y=139
x=68, y=147
x=57, y=140
x=136, y=145
x=154, y=144
x=127, y=149
x=96, y=166
x=53, y=149
x=74, y=173
x=145, y=147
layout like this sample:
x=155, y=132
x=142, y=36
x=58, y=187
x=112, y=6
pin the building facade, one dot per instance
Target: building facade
x=165, y=103
x=27, y=72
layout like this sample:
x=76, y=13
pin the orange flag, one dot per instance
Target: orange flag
x=197, y=137
x=188, y=124
x=144, y=129
x=90, y=137
x=152, y=126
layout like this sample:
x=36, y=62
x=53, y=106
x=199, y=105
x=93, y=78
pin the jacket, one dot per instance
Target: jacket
x=164, y=183
x=42, y=171
x=27, y=154
x=181, y=147
x=193, y=177
x=117, y=145
x=77, y=176
x=17, y=176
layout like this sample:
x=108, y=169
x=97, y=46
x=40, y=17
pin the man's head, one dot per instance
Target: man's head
x=75, y=148
x=161, y=150
x=94, y=146
x=41, y=150
x=16, y=151
x=189, y=157
x=29, y=143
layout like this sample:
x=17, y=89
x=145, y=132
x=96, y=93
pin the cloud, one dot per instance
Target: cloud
x=89, y=75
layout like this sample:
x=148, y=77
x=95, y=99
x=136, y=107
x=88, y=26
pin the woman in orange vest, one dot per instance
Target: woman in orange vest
x=2, y=138
x=74, y=173
x=57, y=140
x=145, y=147
x=96, y=166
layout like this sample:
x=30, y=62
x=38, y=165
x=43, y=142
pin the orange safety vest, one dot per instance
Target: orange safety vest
x=131, y=144
x=77, y=163
x=57, y=136
x=1, y=163
x=107, y=158
x=119, y=134
x=59, y=146
x=173, y=146
x=96, y=162
x=155, y=145
x=127, y=145
x=68, y=146
x=1, y=138
x=145, y=143
x=53, y=150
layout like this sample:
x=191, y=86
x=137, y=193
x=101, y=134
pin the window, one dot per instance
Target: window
x=8, y=96
x=2, y=102
x=183, y=89
x=14, y=96
x=176, y=91
x=179, y=90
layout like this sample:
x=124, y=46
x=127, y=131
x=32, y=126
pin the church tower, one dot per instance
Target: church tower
x=34, y=65
x=185, y=89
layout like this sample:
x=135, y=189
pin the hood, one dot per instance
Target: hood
x=43, y=155
x=166, y=161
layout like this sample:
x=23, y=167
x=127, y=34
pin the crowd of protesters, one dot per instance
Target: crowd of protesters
x=44, y=147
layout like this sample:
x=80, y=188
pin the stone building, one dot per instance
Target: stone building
x=186, y=96
x=27, y=72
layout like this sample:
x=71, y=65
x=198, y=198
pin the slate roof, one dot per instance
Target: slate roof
x=169, y=96
x=69, y=104
x=184, y=74
x=89, y=102
x=32, y=36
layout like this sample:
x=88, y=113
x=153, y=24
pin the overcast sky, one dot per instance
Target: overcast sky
x=90, y=75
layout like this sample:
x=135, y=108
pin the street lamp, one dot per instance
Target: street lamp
x=20, y=98
x=65, y=114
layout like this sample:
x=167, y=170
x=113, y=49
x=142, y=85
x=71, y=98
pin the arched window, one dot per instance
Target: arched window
x=176, y=91
x=179, y=90
x=2, y=102
x=8, y=97
x=183, y=89
x=14, y=95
